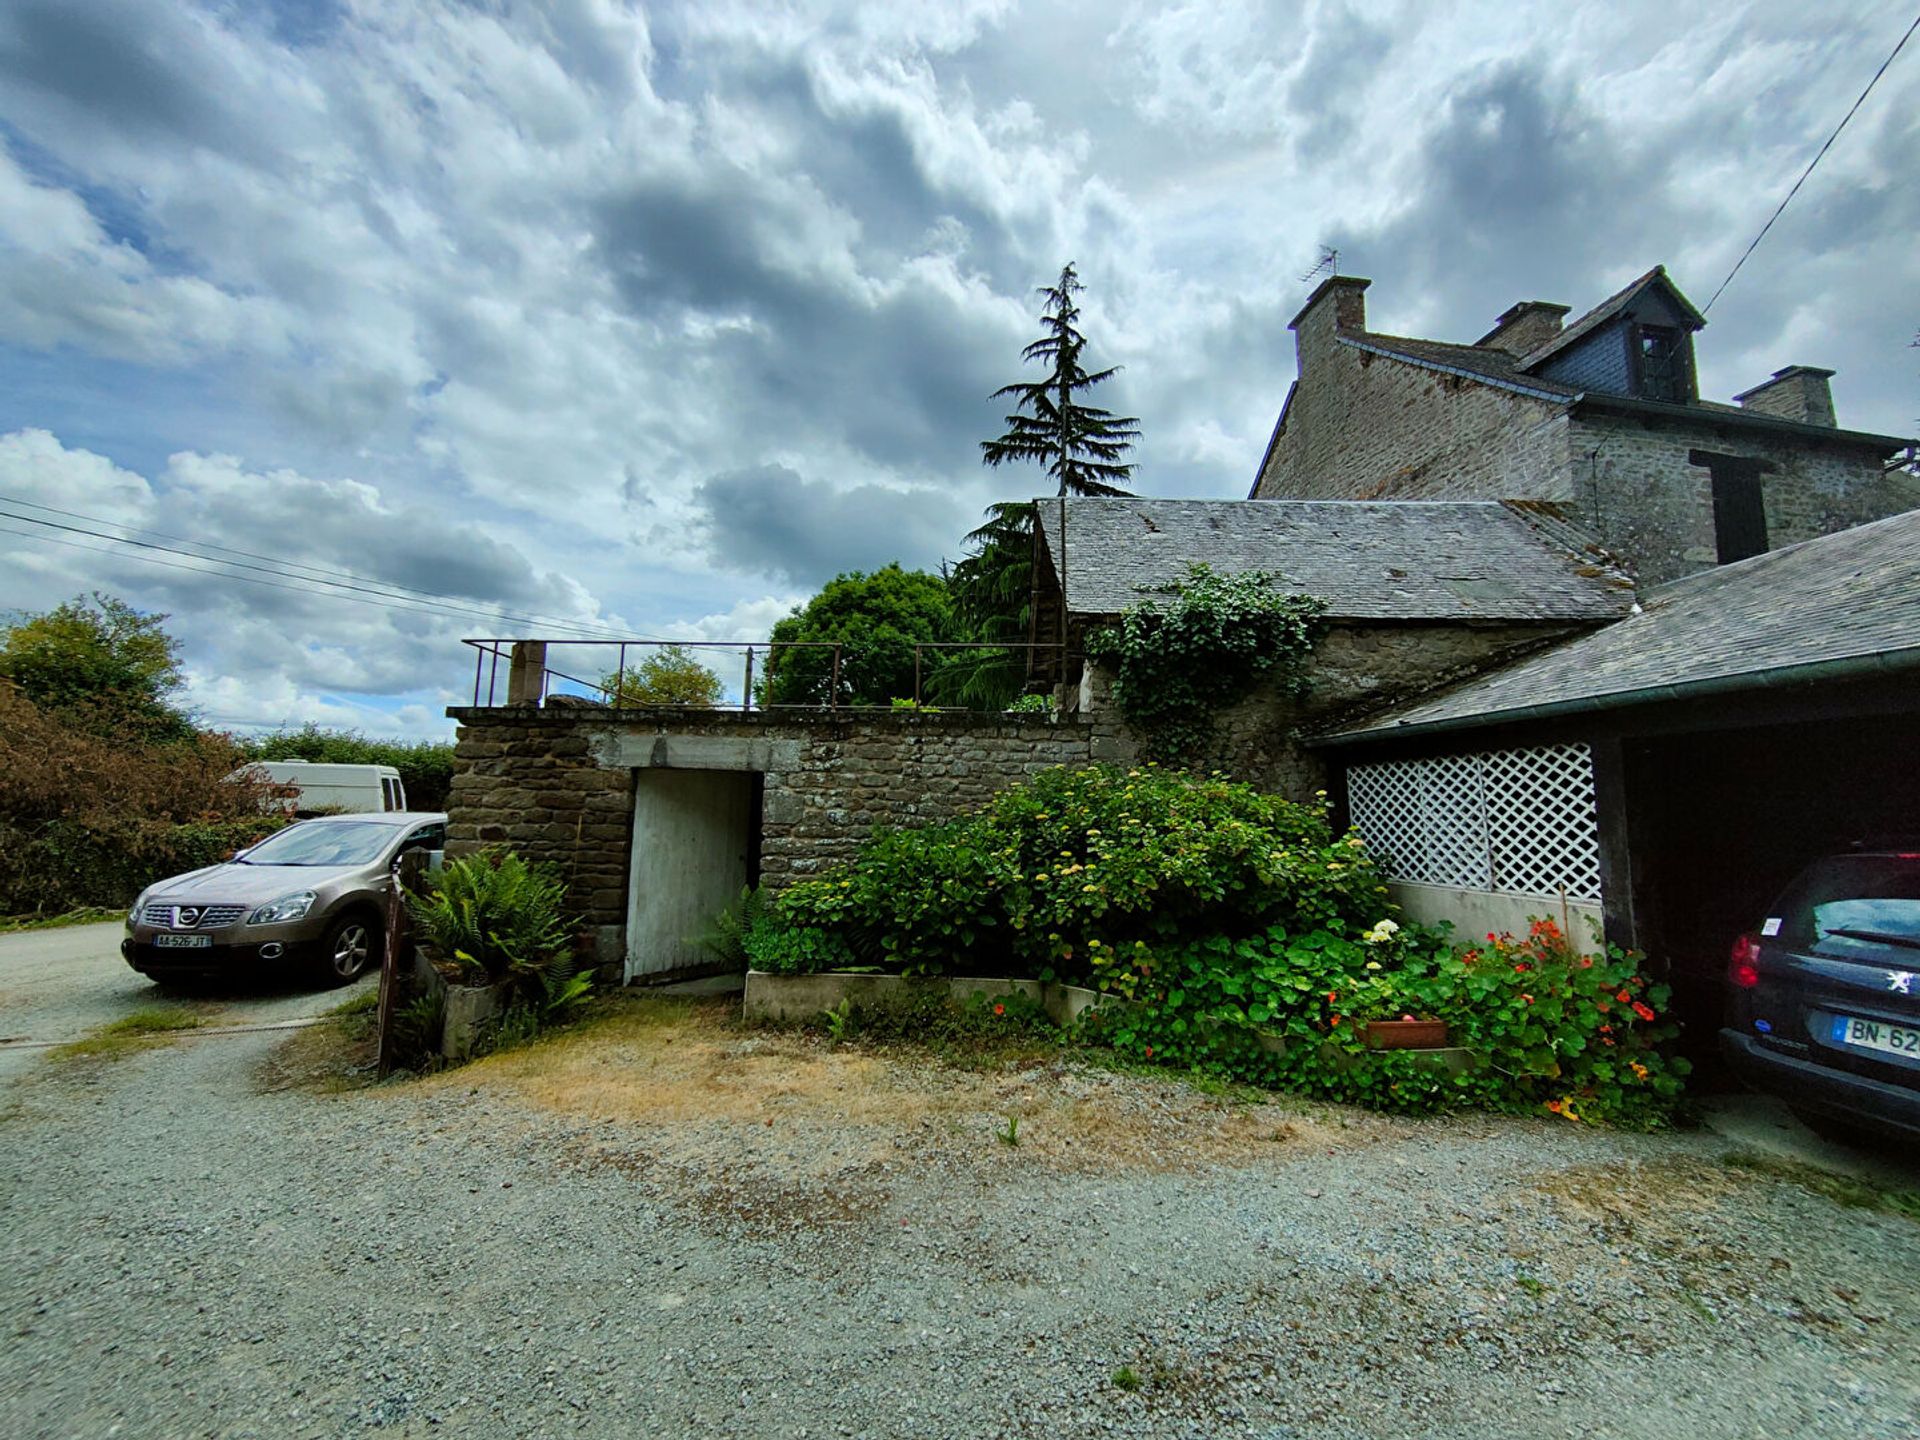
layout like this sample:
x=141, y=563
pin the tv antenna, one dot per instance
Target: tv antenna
x=1327, y=264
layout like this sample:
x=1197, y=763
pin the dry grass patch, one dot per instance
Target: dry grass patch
x=689, y=1075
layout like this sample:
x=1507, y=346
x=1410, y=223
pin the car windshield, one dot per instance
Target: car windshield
x=1848, y=903
x=333, y=842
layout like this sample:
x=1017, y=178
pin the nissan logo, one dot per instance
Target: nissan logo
x=186, y=915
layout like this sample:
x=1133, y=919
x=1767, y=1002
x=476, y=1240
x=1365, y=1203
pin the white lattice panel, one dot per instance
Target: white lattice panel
x=1389, y=797
x=1540, y=815
x=1509, y=820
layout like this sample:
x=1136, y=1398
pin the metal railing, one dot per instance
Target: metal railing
x=529, y=679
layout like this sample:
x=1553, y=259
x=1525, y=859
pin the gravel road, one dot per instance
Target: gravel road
x=673, y=1228
x=56, y=985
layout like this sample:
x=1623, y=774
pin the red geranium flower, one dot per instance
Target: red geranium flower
x=1526, y=999
x=999, y=1009
x=1645, y=1012
x=1586, y=962
x=1623, y=997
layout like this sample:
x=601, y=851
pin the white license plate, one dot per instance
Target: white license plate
x=1876, y=1035
x=183, y=942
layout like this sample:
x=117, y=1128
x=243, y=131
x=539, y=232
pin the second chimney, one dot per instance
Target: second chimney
x=1526, y=327
x=1799, y=392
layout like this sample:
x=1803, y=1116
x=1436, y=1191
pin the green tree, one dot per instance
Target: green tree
x=992, y=597
x=101, y=663
x=671, y=675
x=876, y=619
x=1079, y=445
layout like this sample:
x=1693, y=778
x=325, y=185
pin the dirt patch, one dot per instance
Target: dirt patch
x=690, y=1084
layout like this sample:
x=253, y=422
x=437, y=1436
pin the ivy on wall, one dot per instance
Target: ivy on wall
x=1178, y=662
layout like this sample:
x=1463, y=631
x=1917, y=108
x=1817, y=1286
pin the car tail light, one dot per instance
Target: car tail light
x=1743, y=966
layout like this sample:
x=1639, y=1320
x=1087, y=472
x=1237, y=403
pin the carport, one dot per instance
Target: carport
x=1741, y=722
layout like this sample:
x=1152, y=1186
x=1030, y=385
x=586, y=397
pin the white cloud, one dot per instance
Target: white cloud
x=548, y=279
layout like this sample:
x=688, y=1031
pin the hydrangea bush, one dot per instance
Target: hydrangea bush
x=1081, y=875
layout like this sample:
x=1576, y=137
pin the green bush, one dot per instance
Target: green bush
x=1576, y=1035
x=495, y=918
x=1078, y=875
x=60, y=865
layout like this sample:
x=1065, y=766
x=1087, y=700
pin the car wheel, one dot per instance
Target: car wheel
x=351, y=945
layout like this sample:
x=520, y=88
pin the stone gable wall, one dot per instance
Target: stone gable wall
x=1364, y=427
x=1635, y=491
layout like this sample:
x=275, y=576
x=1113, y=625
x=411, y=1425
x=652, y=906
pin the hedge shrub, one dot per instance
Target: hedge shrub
x=1079, y=875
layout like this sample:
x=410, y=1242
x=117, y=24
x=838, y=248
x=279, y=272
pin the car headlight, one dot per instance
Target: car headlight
x=287, y=907
x=133, y=910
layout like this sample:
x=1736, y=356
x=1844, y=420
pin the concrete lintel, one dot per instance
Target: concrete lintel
x=630, y=750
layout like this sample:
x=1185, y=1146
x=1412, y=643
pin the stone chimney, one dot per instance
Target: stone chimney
x=1799, y=392
x=1339, y=303
x=1526, y=327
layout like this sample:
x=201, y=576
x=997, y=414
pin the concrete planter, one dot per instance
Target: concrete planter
x=463, y=1008
x=802, y=997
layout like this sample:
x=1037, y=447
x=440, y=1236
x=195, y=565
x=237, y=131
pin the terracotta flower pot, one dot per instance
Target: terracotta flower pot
x=1406, y=1034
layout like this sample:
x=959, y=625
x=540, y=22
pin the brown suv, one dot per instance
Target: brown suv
x=311, y=897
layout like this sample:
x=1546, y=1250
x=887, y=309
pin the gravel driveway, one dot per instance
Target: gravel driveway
x=667, y=1227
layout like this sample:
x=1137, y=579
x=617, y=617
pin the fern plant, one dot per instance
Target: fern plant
x=496, y=918
x=725, y=937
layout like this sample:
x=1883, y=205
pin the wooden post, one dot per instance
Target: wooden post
x=833, y=687
x=408, y=866
x=916, y=675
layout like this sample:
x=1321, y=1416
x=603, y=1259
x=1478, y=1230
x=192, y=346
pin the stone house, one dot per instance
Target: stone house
x=1599, y=418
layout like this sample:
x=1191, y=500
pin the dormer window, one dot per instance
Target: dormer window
x=1661, y=353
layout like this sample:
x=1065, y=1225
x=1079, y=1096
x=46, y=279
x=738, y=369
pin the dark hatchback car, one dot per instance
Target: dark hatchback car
x=1825, y=997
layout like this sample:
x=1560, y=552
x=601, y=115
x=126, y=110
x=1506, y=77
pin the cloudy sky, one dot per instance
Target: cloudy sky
x=648, y=318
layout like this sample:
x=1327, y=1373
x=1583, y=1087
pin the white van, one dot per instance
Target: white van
x=351, y=789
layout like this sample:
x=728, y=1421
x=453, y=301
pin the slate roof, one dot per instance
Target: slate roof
x=1368, y=560
x=1612, y=306
x=1481, y=362
x=1849, y=596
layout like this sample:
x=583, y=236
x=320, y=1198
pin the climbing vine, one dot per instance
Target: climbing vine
x=1178, y=662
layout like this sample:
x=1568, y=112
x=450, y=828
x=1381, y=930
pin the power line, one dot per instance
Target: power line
x=282, y=564
x=1813, y=162
x=383, y=600
x=436, y=612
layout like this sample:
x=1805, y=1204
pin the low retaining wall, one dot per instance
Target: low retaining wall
x=1474, y=913
x=792, y=998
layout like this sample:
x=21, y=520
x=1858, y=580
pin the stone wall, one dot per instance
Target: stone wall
x=1364, y=427
x=1635, y=490
x=558, y=784
x=1356, y=668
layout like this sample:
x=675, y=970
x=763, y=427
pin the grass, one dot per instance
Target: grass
x=85, y=915
x=129, y=1033
x=1127, y=1378
x=1845, y=1190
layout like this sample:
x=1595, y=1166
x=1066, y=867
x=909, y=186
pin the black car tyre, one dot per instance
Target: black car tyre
x=351, y=945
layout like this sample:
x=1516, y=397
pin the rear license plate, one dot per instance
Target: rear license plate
x=191, y=942
x=1876, y=1035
